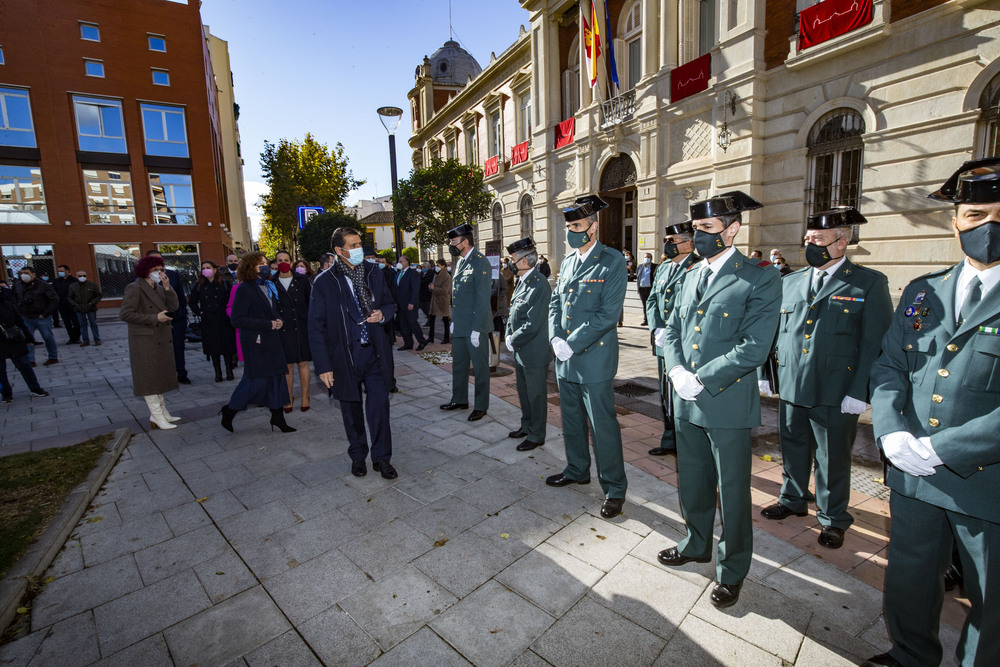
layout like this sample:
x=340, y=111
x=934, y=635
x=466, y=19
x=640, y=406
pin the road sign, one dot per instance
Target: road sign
x=307, y=213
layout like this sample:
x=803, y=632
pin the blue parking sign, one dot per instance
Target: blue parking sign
x=307, y=213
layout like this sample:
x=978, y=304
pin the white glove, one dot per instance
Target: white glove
x=852, y=406
x=764, y=387
x=898, y=448
x=561, y=349
x=451, y=328
x=475, y=338
x=506, y=341
x=660, y=337
x=924, y=449
x=685, y=383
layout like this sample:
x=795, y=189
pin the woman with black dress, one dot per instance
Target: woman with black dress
x=294, y=290
x=208, y=300
x=255, y=314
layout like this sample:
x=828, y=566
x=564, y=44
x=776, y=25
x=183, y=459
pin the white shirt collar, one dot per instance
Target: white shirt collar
x=830, y=271
x=584, y=255
x=717, y=265
x=471, y=248
x=527, y=273
x=989, y=278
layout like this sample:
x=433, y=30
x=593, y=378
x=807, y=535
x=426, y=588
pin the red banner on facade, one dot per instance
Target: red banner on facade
x=565, y=132
x=831, y=18
x=491, y=167
x=519, y=153
x=690, y=78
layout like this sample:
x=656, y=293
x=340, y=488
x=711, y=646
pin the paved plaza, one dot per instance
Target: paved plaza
x=260, y=548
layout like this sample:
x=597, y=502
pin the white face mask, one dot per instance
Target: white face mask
x=82, y=279
x=437, y=269
x=26, y=277
x=399, y=266
x=154, y=276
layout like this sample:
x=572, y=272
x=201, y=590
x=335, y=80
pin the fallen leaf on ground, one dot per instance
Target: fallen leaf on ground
x=505, y=535
x=201, y=500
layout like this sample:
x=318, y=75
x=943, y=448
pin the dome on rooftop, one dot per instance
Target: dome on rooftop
x=452, y=64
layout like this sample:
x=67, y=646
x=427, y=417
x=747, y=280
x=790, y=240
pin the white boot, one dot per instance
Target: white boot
x=163, y=405
x=156, y=418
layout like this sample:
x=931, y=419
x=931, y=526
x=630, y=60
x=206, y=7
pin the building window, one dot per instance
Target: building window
x=15, y=118
x=115, y=267
x=157, y=42
x=524, y=118
x=706, y=25
x=471, y=145
x=632, y=39
x=93, y=67
x=173, y=201
x=90, y=32
x=988, y=127
x=22, y=198
x=41, y=258
x=1, y=57
x=109, y=197
x=835, y=161
x=184, y=259
x=452, y=148
x=571, y=81
x=163, y=128
x=527, y=219
x=99, y=125
x=496, y=134
x=497, y=216
x=161, y=77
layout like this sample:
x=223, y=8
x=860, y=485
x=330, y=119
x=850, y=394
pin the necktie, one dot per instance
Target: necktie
x=706, y=273
x=817, y=286
x=363, y=325
x=971, y=299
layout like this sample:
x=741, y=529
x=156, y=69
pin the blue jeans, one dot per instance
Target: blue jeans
x=84, y=318
x=24, y=367
x=44, y=326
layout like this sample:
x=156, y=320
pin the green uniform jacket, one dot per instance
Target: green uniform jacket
x=527, y=324
x=584, y=312
x=470, y=295
x=724, y=338
x=940, y=380
x=826, y=348
x=661, y=296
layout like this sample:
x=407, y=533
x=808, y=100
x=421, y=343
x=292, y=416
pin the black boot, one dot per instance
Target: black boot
x=278, y=419
x=229, y=368
x=227, y=417
x=217, y=365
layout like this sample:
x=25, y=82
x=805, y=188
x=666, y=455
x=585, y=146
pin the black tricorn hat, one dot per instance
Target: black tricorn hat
x=680, y=228
x=523, y=244
x=725, y=204
x=464, y=229
x=368, y=250
x=975, y=182
x=584, y=207
x=841, y=216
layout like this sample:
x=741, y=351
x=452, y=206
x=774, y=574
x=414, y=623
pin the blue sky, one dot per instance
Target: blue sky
x=324, y=66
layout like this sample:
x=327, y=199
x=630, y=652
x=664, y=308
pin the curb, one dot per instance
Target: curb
x=41, y=554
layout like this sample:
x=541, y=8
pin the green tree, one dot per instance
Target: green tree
x=314, y=238
x=412, y=254
x=389, y=254
x=438, y=198
x=305, y=173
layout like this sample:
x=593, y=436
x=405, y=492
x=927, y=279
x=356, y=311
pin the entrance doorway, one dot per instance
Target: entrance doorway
x=618, y=221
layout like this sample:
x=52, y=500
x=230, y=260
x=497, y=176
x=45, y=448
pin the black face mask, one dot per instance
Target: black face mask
x=982, y=243
x=455, y=252
x=670, y=250
x=708, y=244
x=233, y=266
x=818, y=255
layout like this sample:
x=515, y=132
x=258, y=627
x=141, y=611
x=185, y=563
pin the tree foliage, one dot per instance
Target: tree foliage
x=314, y=238
x=300, y=173
x=412, y=254
x=440, y=197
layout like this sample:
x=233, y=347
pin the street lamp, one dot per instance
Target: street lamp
x=390, y=117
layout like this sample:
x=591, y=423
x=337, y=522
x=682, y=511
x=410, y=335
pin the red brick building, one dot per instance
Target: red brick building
x=109, y=138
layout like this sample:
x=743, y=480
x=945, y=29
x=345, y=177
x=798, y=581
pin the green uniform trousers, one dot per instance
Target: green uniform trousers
x=920, y=549
x=593, y=404
x=462, y=353
x=828, y=434
x=531, y=392
x=710, y=458
x=669, y=439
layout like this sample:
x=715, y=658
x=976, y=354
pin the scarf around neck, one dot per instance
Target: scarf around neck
x=356, y=274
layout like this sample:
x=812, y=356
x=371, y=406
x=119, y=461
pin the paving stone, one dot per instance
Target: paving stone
x=492, y=494
x=665, y=537
x=265, y=556
x=321, y=499
x=450, y=425
x=446, y=517
x=387, y=548
x=505, y=451
x=138, y=509
x=550, y=578
x=319, y=473
x=276, y=461
x=491, y=432
x=826, y=644
x=181, y=452
x=69, y=642
x=418, y=459
x=516, y=530
x=185, y=518
x=224, y=575
x=421, y=648
x=595, y=541
x=145, y=612
x=454, y=445
x=381, y=507
x=492, y=626
x=168, y=558
x=83, y=590
x=472, y=467
x=227, y=630
x=69, y=560
x=315, y=586
x=254, y=523
x=561, y=505
x=150, y=652
x=770, y=553
x=463, y=563
x=211, y=482
x=306, y=540
x=429, y=485
x=338, y=640
x=700, y=644
x=222, y=505
x=267, y=489
x=396, y=607
x=288, y=650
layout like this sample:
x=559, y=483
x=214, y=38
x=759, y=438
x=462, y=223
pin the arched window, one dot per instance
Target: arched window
x=497, y=216
x=629, y=55
x=988, y=127
x=527, y=219
x=836, y=153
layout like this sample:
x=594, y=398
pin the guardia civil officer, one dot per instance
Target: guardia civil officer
x=718, y=334
x=678, y=246
x=583, y=318
x=527, y=337
x=471, y=323
x=936, y=413
x=833, y=316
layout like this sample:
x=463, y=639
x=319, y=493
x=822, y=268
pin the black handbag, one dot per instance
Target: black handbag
x=13, y=334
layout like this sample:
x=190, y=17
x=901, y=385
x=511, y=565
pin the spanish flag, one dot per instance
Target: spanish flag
x=592, y=42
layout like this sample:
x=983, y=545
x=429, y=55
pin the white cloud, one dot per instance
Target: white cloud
x=252, y=191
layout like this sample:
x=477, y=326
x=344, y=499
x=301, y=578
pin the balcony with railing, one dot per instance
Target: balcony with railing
x=618, y=109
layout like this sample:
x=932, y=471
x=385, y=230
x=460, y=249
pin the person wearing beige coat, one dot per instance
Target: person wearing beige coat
x=440, y=301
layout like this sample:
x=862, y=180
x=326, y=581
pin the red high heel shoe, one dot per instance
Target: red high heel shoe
x=288, y=409
x=305, y=408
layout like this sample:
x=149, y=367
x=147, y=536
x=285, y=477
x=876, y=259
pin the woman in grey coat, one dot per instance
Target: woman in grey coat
x=148, y=307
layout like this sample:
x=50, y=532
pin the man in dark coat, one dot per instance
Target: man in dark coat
x=64, y=280
x=37, y=301
x=426, y=279
x=180, y=322
x=408, y=299
x=350, y=303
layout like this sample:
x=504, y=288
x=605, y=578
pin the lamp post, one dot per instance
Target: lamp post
x=390, y=117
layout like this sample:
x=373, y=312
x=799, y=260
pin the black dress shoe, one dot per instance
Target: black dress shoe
x=384, y=467
x=455, y=406
x=725, y=595
x=831, y=537
x=881, y=660
x=674, y=558
x=527, y=446
x=359, y=469
x=563, y=480
x=612, y=507
x=777, y=511
x=421, y=346
x=476, y=415
x=662, y=451
x=184, y=380
x=404, y=347
x=519, y=433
